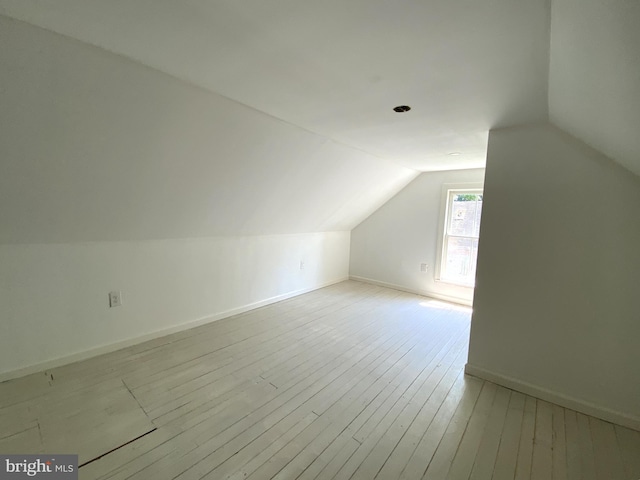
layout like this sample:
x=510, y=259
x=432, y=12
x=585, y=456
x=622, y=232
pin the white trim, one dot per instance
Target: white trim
x=577, y=404
x=424, y=293
x=112, y=347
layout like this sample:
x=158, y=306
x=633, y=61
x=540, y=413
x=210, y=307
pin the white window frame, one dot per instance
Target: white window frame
x=474, y=187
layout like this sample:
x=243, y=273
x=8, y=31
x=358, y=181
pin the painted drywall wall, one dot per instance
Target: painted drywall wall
x=594, y=75
x=389, y=246
x=96, y=147
x=106, y=166
x=556, y=301
x=54, y=298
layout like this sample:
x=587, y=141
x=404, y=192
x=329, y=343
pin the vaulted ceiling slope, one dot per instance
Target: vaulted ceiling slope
x=276, y=117
x=594, y=78
x=337, y=68
x=94, y=146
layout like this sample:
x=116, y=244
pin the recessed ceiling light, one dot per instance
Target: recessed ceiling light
x=454, y=154
x=402, y=108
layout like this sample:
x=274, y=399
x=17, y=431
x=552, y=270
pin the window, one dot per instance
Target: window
x=460, y=232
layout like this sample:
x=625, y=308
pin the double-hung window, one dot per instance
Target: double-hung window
x=460, y=232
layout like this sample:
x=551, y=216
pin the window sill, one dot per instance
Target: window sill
x=453, y=284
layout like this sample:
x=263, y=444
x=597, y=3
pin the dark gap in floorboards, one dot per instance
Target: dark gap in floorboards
x=117, y=448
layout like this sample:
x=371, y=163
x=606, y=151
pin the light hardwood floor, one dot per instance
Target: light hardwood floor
x=352, y=381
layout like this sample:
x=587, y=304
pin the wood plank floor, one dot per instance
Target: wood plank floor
x=352, y=381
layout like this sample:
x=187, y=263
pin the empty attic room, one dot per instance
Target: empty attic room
x=320, y=240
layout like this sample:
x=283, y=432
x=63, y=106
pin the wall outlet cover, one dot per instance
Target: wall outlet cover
x=115, y=299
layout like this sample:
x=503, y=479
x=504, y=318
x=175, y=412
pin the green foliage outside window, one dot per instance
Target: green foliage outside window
x=468, y=197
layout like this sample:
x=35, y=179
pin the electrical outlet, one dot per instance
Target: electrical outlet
x=424, y=267
x=301, y=265
x=115, y=299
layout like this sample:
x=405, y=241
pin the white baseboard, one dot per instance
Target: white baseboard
x=579, y=405
x=112, y=347
x=424, y=293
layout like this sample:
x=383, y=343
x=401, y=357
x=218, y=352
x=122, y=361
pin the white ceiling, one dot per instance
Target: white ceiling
x=338, y=68
x=95, y=147
x=594, y=81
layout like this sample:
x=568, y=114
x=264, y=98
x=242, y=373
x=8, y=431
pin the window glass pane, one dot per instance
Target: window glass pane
x=460, y=262
x=464, y=219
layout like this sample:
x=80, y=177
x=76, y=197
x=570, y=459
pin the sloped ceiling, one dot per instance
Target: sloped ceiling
x=95, y=147
x=276, y=117
x=338, y=68
x=594, y=78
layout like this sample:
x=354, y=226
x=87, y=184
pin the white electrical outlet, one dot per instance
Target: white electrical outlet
x=115, y=299
x=424, y=267
x=301, y=265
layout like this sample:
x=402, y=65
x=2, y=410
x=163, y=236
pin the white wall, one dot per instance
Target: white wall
x=389, y=246
x=53, y=298
x=97, y=148
x=556, y=301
